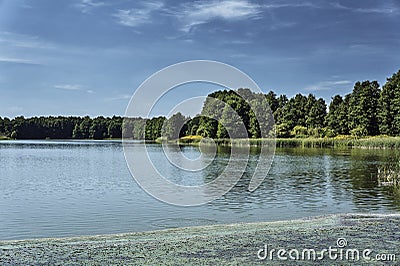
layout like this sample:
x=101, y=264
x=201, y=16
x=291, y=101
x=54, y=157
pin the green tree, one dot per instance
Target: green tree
x=207, y=127
x=279, y=112
x=153, y=127
x=231, y=125
x=332, y=119
x=273, y=101
x=173, y=127
x=315, y=112
x=294, y=112
x=389, y=106
x=98, y=128
x=363, y=107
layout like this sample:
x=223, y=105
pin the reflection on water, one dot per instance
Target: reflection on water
x=69, y=188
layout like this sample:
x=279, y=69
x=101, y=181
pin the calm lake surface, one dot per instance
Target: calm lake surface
x=72, y=188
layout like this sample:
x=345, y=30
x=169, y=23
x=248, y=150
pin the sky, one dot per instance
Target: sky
x=87, y=57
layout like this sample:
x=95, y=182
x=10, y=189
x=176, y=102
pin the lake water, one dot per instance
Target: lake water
x=73, y=188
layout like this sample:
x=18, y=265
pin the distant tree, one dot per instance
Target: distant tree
x=127, y=127
x=173, y=127
x=153, y=127
x=363, y=107
x=138, y=130
x=98, y=128
x=316, y=112
x=229, y=125
x=389, y=106
x=207, y=127
x=278, y=113
x=282, y=130
x=332, y=119
x=273, y=101
x=2, y=129
x=294, y=112
x=261, y=118
x=81, y=129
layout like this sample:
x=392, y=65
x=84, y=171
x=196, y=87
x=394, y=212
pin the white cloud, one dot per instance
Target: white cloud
x=380, y=9
x=73, y=87
x=201, y=12
x=329, y=85
x=70, y=87
x=85, y=6
x=120, y=97
x=22, y=41
x=17, y=61
x=194, y=14
x=137, y=16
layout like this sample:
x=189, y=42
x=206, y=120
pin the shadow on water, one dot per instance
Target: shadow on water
x=317, y=179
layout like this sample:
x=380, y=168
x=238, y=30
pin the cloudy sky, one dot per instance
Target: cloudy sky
x=87, y=57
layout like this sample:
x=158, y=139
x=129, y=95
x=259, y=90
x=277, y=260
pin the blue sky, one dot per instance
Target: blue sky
x=87, y=57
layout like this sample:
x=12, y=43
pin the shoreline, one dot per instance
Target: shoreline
x=377, y=142
x=213, y=244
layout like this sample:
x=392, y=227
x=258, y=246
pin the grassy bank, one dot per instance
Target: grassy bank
x=342, y=142
x=237, y=244
x=3, y=138
x=379, y=142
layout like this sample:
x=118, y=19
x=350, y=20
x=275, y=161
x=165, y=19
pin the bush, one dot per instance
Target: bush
x=282, y=130
x=300, y=131
x=359, y=132
x=329, y=133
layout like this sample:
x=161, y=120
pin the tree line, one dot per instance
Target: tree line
x=368, y=110
x=61, y=127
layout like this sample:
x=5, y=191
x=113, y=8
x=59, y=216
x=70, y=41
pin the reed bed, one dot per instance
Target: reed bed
x=341, y=142
x=389, y=175
x=379, y=142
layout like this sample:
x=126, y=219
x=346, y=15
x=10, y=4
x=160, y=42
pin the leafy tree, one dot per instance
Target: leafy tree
x=300, y=131
x=294, y=112
x=231, y=125
x=316, y=112
x=273, y=101
x=207, y=127
x=282, y=130
x=173, y=127
x=153, y=128
x=278, y=113
x=261, y=118
x=332, y=119
x=363, y=107
x=389, y=106
x=98, y=128
x=2, y=129
x=138, y=130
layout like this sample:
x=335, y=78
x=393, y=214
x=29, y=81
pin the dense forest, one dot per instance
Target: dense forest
x=368, y=110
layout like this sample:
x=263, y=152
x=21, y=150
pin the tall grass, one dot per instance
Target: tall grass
x=342, y=142
x=389, y=175
x=381, y=142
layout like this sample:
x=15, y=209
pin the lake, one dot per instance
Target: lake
x=73, y=188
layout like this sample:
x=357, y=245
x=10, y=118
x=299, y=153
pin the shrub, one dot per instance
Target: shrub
x=300, y=131
x=359, y=132
x=282, y=130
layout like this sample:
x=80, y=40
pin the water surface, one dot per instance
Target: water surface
x=72, y=188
